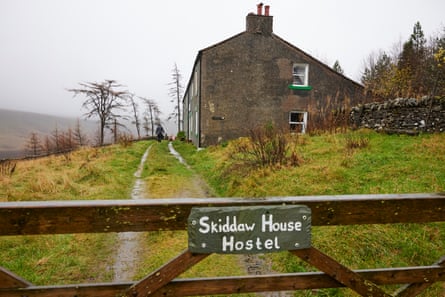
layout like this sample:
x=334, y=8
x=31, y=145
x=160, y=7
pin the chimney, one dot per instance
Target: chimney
x=259, y=9
x=259, y=23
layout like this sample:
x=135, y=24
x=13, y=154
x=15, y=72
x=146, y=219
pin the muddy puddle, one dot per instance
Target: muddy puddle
x=177, y=155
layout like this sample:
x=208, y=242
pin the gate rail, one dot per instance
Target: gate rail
x=99, y=216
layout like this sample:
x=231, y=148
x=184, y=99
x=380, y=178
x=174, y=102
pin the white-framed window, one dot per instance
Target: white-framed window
x=300, y=73
x=298, y=121
x=189, y=101
x=196, y=123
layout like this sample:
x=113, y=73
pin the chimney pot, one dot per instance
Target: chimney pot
x=259, y=8
x=266, y=10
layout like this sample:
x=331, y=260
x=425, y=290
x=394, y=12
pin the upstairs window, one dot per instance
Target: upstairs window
x=300, y=74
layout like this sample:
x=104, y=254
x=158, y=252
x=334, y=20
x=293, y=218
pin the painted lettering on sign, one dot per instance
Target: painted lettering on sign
x=230, y=225
x=255, y=229
x=268, y=225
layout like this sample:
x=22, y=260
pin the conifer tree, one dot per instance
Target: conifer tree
x=411, y=68
x=337, y=67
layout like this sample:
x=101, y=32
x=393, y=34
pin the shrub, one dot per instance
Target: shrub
x=125, y=139
x=181, y=135
x=266, y=146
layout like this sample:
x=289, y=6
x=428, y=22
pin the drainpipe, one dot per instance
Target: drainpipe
x=259, y=9
x=266, y=10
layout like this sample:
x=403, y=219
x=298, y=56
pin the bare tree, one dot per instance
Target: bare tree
x=102, y=101
x=136, y=121
x=47, y=145
x=68, y=141
x=79, y=136
x=151, y=115
x=33, y=146
x=116, y=125
x=55, y=135
x=175, y=93
x=114, y=128
x=378, y=75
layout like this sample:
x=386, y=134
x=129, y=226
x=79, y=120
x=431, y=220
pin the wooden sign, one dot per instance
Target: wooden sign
x=249, y=229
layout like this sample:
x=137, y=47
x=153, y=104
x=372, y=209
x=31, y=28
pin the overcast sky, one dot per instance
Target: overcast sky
x=48, y=46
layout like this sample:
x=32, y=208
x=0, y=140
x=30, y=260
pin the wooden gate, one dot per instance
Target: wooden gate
x=64, y=217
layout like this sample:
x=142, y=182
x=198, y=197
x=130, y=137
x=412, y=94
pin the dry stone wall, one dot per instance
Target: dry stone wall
x=402, y=115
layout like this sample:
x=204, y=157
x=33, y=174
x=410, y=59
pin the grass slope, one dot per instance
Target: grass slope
x=387, y=164
x=102, y=173
x=384, y=164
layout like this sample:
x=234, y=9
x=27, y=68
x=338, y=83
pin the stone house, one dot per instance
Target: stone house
x=256, y=78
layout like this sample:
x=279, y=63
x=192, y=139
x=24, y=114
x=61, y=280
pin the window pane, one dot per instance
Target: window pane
x=296, y=117
x=299, y=70
x=299, y=73
x=298, y=121
x=294, y=127
x=298, y=80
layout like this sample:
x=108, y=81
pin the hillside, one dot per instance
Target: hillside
x=16, y=126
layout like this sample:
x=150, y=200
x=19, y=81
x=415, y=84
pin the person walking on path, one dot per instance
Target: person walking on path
x=160, y=133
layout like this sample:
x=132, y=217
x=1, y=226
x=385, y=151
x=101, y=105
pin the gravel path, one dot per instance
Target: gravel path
x=128, y=243
x=254, y=264
x=128, y=247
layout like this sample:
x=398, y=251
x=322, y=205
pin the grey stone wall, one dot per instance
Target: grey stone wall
x=402, y=115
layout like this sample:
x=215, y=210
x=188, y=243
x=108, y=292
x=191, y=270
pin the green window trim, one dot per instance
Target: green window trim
x=300, y=88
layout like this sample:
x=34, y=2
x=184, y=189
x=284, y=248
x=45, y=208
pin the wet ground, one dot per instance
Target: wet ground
x=129, y=243
x=254, y=264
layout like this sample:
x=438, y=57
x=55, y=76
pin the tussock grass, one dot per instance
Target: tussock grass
x=89, y=173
